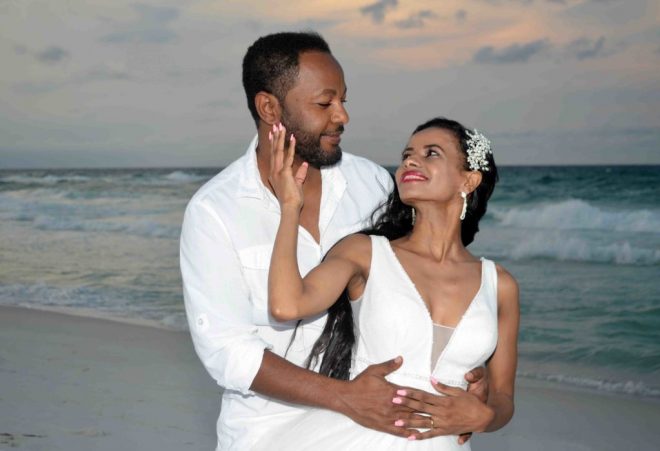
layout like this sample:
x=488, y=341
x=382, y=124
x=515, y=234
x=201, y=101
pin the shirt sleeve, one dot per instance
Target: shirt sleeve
x=217, y=301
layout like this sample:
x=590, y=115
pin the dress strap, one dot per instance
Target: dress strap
x=490, y=283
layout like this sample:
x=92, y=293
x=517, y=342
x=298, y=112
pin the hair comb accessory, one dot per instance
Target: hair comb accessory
x=478, y=148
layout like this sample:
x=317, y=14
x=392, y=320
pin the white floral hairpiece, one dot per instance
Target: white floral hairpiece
x=478, y=147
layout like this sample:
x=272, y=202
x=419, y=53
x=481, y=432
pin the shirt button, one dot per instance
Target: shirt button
x=202, y=322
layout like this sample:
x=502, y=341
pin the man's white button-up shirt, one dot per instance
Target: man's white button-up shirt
x=226, y=242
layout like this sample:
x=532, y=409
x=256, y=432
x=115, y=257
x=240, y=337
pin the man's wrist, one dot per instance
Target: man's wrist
x=340, y=392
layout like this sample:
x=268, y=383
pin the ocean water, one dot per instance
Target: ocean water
x=583, y=242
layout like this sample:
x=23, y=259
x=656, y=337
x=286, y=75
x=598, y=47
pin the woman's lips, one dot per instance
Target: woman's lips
x=413, y=176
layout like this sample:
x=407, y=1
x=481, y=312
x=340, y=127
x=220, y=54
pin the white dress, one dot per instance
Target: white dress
x=392, y=319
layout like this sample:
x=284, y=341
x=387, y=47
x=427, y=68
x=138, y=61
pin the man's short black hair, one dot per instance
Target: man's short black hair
x=271, y=63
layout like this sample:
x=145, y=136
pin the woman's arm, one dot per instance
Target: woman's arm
x=502, y=366
x=289, y=295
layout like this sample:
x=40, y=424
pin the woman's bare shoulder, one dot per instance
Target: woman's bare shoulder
x=507, y=286
x=355, y=247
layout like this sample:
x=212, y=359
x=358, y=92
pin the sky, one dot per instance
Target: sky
x=158, y=83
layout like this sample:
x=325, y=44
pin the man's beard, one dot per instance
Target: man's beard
x=308, y=145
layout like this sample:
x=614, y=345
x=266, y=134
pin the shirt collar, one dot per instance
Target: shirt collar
x=251, y=185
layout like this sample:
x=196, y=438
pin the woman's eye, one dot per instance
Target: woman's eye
x=432, y=153
x=324, y=105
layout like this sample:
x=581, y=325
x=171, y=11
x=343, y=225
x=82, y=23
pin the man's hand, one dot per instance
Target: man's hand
x=478, y=383
x=478, y=386
x=367, y=399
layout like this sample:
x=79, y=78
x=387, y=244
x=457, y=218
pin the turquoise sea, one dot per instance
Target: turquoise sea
x=583, y=242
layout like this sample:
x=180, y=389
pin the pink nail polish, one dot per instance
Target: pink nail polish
x=274, y=127
x=281, y=127
x=397, y=401
x=434, y=380
x=270, y=136
x=398, y=423
x=412, y=437
x=401, y=392
x=292, y=137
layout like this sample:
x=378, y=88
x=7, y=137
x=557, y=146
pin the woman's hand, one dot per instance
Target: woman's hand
x=455, y=413
x=288, y=188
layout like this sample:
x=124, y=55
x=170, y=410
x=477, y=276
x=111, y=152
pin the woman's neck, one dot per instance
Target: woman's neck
x=437, y=234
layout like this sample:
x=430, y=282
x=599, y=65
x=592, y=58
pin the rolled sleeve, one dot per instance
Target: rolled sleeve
x=217, y=301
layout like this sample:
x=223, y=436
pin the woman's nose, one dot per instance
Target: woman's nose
x=411, y=161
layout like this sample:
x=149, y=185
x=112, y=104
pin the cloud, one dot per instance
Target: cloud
x=51, y=55
x=585, y=48
x=318, y=24
x=515, y=53
x=461, y=15
x=151, y=26
x=416, y=20
x=377, y=10
x=20, y=49
x=105, y=72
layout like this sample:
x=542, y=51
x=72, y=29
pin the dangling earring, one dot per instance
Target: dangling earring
x=413, y=216
x=464, y=196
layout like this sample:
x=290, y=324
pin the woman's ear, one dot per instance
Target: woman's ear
x=472, y=181
x=268, y=108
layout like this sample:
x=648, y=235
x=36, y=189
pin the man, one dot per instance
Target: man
x=226, y=242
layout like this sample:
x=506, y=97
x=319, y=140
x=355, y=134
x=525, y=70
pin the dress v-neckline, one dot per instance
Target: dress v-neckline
x=420, y=299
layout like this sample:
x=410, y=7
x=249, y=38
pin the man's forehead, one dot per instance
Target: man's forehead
x=320, y=73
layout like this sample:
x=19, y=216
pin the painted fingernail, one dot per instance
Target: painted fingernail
x=292, y=137
x=412, y=437
x=274, y=127
x=397, y=400
x=270, y=136
x=398, y=423
x=434, y=381
x=401, y=392
x=281, y=127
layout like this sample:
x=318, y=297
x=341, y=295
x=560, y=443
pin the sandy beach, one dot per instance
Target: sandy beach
x=74, y=383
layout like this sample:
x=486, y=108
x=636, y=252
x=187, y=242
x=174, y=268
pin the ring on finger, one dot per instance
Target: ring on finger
x=432, y=423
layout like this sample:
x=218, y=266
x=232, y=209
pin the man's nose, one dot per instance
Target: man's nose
x=340, y=115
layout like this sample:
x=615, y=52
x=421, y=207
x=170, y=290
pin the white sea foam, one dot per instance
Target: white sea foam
x=557, y=246
x=140, y=228
x=43, y=180
x=628, y=387
x=578, y=214
x=184, y=177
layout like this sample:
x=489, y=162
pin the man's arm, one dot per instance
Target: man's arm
x=225, y=337
x=367, y=399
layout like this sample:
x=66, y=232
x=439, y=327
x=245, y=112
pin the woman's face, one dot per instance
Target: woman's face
x=431, y=167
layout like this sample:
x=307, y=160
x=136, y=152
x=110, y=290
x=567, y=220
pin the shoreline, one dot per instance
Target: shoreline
x=626, y=385
x=79, y=383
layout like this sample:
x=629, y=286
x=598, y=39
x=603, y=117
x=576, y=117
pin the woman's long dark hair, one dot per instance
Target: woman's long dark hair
x=393, y=220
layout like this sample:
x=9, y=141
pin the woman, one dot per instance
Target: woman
x=415, y=289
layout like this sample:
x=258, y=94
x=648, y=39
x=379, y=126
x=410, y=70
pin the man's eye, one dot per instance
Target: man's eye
x=324, y=105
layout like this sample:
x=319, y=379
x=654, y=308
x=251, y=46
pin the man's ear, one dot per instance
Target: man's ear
x=268, y=107
x=472, y=180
